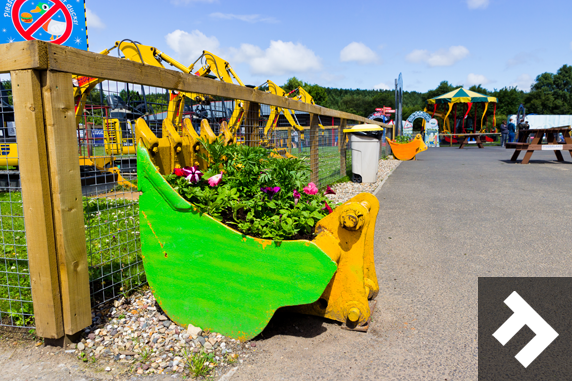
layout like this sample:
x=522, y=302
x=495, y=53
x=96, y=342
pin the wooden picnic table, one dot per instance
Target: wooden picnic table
x=477, y=137
x=536, y=143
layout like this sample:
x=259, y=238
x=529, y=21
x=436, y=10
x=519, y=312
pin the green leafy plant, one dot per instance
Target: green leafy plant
x=255, y=192
x=145, y=354
x=198, y=363
x=403, y=139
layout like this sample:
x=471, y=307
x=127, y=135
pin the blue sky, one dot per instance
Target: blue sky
x=360, y=44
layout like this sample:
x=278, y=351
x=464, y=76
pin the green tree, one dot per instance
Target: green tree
x=292, y=83
x=508, y=100
x=316, y=91
x=551, y=93
x=479, y=89
x=7, y=85
x=443, y=88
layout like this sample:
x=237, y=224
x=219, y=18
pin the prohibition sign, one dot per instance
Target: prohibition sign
x=28, y=33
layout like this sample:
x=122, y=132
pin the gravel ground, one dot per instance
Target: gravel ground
x=136, y=334
x=347, y=190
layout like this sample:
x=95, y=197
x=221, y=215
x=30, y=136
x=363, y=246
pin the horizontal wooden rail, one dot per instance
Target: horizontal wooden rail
x=23, y=56
x=44, y=55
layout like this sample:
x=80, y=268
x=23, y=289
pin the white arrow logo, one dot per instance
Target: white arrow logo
x=523, y=315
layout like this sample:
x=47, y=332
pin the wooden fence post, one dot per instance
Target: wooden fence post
x=61, y=134
x=34, y=177
x=250, y=123
x=342, y=146
x=314, y=148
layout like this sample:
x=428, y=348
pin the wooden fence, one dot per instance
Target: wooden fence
x=41, y=76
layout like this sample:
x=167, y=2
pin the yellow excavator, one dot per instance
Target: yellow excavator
x=214, y=65
x=300, y=94
x=275, y=111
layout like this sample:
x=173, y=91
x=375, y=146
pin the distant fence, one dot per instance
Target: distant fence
x=68, y=197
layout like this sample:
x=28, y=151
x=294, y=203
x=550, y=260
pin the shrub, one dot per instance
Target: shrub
x=255, y=192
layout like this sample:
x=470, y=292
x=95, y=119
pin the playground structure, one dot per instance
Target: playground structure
x=468, y=99
x=72, y=269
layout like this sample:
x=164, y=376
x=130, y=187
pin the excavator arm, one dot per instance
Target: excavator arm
x=82, y=88
x=304, y=96
x=275, y=111
x=214, y=65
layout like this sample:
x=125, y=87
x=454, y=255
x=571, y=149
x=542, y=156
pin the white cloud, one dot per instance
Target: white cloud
x=246, y=18
x=93, y=20
x=523, y=82
x=358, y=52
x=190, y=46
x=442, y=57
x=382, y=86
x=278, y=59
x=476, y=79
x=477, y=4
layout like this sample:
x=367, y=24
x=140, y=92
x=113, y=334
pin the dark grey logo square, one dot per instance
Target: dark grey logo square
x=543, y=305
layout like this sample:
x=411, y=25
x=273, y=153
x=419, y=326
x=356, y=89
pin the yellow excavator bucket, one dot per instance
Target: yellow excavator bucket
x=409, y=150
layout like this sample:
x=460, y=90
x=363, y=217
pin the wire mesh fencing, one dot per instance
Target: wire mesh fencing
x=108, y=167
x=16, y=307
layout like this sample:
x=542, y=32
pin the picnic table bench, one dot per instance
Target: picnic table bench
x=478, y=139
x=536, y=144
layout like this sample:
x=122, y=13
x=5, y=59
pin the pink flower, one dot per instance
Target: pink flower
x=329, y=191
x=179, y=172
x=215, y=180
x=297, y=196
x=311, y=189
x=328, y=208
x=192, y=174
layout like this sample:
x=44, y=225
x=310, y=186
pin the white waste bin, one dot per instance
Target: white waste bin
x=365, y=145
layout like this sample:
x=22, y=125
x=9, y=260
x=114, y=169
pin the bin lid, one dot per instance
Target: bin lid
x=363, y=128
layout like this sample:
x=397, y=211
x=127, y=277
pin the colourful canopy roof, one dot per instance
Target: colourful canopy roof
x=461, y=95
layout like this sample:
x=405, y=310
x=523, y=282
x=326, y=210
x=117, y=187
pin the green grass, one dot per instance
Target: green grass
x=198, y=363
x=15, y=293
x=328, y=163
x=113, y=248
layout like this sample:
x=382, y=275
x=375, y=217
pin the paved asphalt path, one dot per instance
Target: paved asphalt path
x=445, y=219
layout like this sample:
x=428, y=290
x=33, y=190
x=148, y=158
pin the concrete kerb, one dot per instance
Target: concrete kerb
x=376, y=191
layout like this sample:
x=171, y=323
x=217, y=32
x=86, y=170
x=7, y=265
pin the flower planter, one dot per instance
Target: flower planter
x=204, y=273
x=407, y=151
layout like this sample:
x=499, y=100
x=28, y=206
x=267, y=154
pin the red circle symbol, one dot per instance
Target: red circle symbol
x=45, y=18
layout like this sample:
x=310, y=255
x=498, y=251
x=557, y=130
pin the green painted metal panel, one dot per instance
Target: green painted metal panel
x=206, y=274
